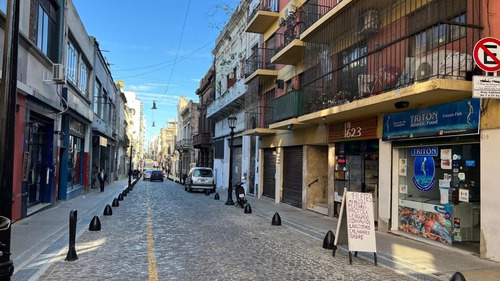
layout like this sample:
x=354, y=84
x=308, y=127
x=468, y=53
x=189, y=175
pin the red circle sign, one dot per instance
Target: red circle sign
x=487, y=54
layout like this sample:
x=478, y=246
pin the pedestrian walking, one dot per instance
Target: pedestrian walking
x=102, y=178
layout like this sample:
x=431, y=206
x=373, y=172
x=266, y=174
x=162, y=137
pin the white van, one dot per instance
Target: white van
x=200, y=178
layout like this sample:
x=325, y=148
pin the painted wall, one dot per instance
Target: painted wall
x=317, y=169
x=490, y=220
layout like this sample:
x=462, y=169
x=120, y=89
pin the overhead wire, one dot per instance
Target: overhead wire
x=177, y=52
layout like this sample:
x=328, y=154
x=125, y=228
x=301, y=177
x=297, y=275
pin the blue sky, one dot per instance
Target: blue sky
x=159, y=48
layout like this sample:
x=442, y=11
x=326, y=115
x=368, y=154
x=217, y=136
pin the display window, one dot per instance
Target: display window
x=75, y=161
x=439, y=192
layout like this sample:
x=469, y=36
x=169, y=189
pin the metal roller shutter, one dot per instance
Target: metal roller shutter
x=269, y=188
x=292, y=176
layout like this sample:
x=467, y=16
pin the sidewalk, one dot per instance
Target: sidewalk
x=38, y=238
x=395, y=251
x=35, y=239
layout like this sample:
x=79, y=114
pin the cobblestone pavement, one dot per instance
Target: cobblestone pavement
x=161, y=232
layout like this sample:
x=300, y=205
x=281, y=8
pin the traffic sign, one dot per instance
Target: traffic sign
x=487, y=54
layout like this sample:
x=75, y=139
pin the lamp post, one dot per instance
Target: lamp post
x=232, y=124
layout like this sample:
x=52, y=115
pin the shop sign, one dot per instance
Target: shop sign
x=450, y=119
x=361, y=129
x=423, y=168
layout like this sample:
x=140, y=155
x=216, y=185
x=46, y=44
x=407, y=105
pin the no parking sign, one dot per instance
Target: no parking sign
x=487, y=54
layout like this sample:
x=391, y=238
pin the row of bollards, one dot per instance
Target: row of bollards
x=329, y=240
x=95, y=223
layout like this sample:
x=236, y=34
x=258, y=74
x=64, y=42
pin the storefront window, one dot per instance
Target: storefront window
x=74, y=161
x=439, y=192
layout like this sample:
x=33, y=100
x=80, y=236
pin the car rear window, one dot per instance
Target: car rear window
x=202, y=173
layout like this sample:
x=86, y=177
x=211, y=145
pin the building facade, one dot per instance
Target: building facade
x=376, y=97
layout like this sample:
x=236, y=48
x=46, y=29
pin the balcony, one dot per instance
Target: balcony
x=315, y=14
x=257, y=121
x=290, y=105
x=259, y=66
x=262, y=16
x=184, y=145
x=290, y=48
x=364, y=60
x=232, y=100
x=202, y=140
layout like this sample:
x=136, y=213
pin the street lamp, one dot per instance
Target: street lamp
x=232, y=124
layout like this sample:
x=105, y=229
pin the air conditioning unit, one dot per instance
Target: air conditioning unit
x=370, y=21
x=289, y=11
x=58, y=72
x=428, y=66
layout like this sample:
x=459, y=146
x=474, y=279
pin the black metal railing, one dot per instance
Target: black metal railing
x=289, y=30
x=259, y=117
x=312, y=10
x=369, y=57
x=260, y=59
x=264, y=5
x=202, y=139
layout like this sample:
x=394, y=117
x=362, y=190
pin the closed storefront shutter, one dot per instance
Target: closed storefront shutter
x=269, y=187
x=292, y=176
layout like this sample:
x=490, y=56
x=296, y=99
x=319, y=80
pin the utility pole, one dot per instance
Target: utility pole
x=8, y=92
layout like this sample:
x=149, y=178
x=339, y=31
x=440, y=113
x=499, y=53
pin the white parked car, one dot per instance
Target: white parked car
x=200, y=178
x=147, y=175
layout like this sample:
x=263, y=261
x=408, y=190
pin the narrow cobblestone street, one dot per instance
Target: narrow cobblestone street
x=161, y=232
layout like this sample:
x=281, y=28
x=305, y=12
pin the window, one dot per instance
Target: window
x=76, y=69
x=71, y=63
x=97, y=94
x=219, y=149
x=45, y=27
x=354, y=64
x=102, y=102
x=82, y=83
x=42, y=30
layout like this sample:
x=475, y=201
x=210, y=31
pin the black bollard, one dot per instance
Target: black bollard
x=276, y=219
x=120, y=197
x=95, y=224
x=216, y=197
x=457, y=276
x=248, y=209
x=329, y=240
x=108, y=211
x=71, y=256
x=115, y=203
x=124, y=193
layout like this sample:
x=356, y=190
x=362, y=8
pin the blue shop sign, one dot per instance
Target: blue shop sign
x=425, y=151
x=450, y=119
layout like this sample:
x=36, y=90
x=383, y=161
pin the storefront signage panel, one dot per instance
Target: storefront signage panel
x=455, y=118
x=361, y=129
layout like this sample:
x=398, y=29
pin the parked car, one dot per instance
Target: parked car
x=147, y=175
x=156, y=175
x=200, y=178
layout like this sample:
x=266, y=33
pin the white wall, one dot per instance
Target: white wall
x=384, y=184
x=490, y=186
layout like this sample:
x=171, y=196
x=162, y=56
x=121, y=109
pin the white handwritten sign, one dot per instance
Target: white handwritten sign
x=360, y=222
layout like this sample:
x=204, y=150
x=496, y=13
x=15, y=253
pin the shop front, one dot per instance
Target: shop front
x=436, y=171
x=356, y=158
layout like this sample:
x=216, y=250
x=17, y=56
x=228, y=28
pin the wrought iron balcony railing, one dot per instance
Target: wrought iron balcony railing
x=259, y=117
x=264, y=5
x=260, y=59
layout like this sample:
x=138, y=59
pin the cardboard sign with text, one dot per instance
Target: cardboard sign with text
x=356, y=227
